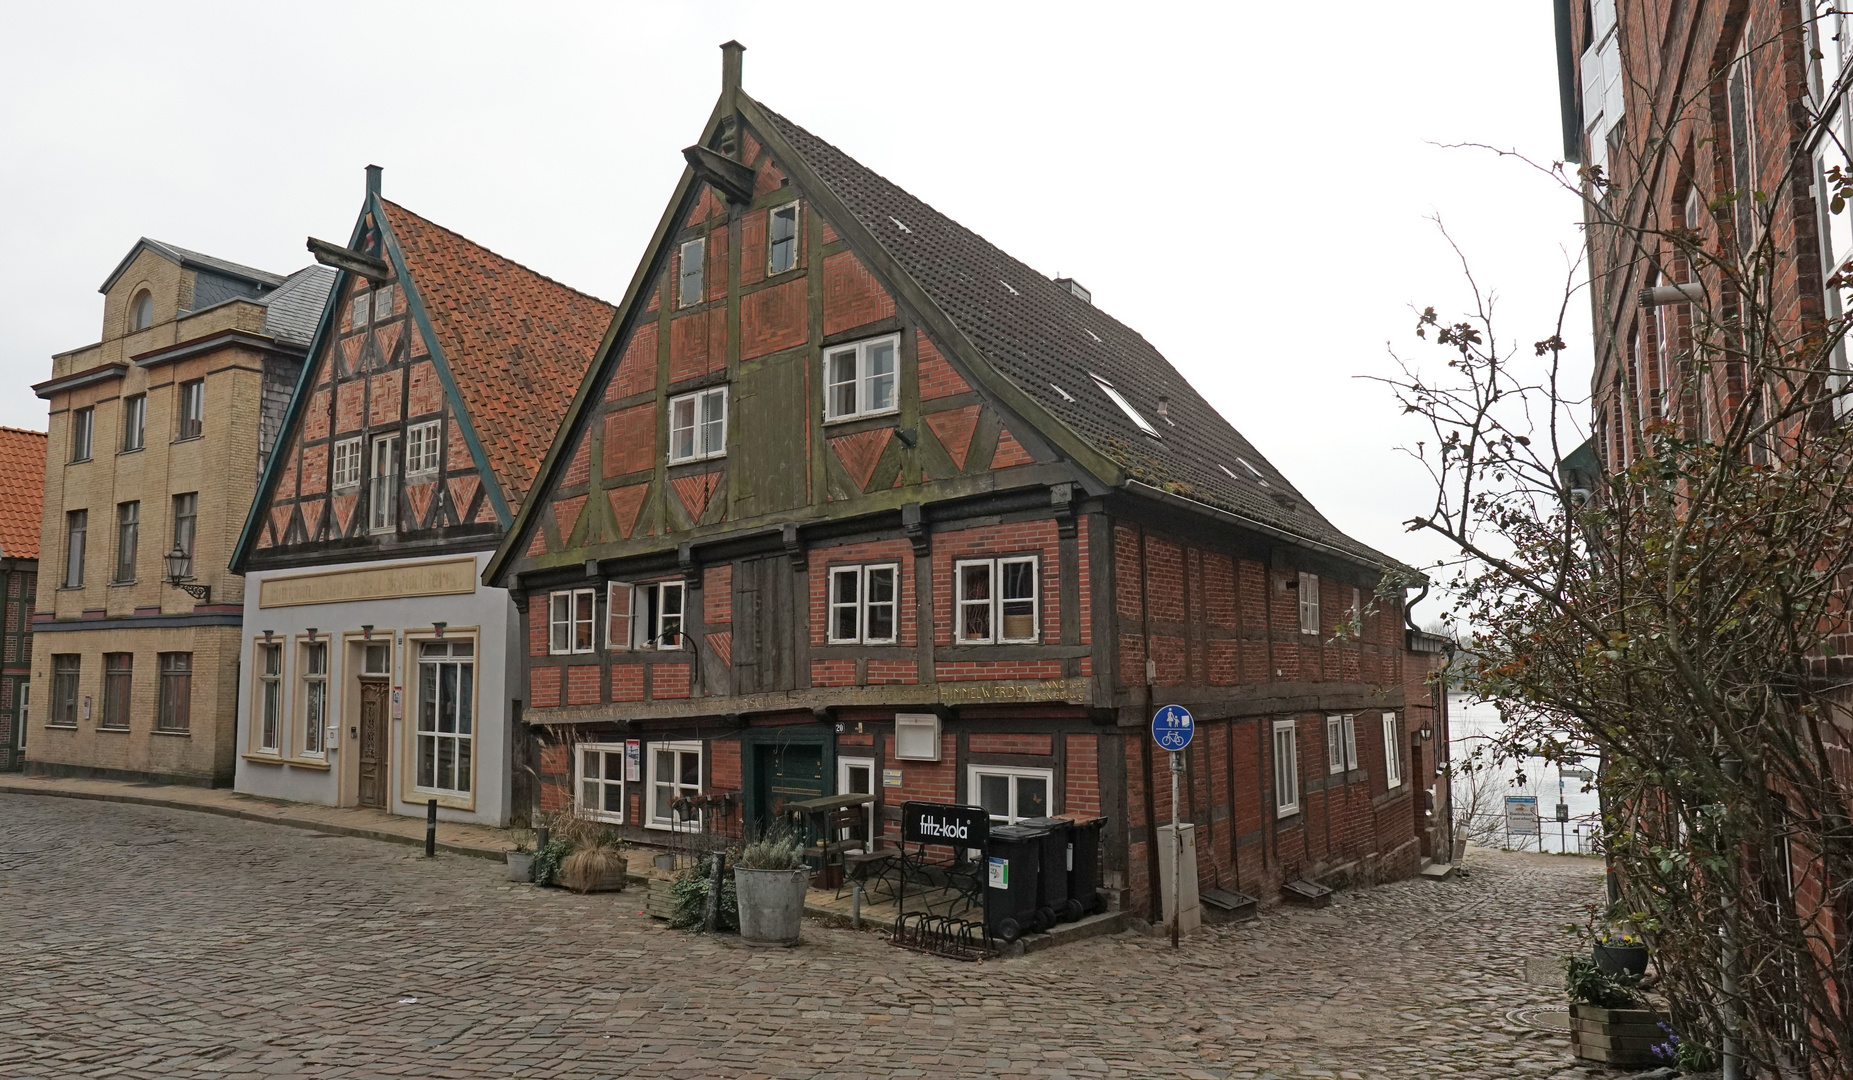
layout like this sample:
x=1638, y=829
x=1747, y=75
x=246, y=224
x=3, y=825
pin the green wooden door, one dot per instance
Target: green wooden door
x=786, y=774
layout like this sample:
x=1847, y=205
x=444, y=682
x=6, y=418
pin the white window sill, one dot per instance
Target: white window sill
x=698, y=458
x=846, y=417
x=1286, y=812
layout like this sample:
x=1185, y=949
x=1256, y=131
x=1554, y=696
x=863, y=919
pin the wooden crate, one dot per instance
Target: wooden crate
x=661, y=901
x=1615, y=1036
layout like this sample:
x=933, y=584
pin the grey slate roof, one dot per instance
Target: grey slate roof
x=196, y=260
x=1041, y=337
x=292, y=309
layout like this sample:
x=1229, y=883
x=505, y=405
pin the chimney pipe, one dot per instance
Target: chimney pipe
x=730, y=68
x=373, y=179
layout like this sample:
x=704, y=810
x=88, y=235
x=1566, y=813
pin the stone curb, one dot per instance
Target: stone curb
x=307, y=824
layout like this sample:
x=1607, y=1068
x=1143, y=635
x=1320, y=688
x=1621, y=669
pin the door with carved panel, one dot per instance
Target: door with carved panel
x=373, y=742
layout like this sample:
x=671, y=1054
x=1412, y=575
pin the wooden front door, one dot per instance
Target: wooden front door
x=789, y=773
x=373, y=726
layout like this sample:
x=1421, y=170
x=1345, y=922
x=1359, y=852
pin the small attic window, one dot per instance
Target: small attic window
x=1066, y=396
x=1125, y=406
x=141, y=311
x=1252, y=471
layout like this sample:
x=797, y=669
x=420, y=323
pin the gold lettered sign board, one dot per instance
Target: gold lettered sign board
x=373, y=583
x=1072, y=690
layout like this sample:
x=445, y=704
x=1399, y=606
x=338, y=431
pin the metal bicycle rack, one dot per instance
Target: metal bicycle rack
x=942, y=935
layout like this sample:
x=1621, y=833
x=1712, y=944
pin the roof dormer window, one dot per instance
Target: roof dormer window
x=1125, y=406
x=141, y=311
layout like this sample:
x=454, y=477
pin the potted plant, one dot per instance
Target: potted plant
x=1610, y=1020
x=1621, y=952
x=521, y=856
x=596, y=862
x=770, y=880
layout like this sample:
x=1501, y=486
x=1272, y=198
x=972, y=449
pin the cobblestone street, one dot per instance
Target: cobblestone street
x=146, y=942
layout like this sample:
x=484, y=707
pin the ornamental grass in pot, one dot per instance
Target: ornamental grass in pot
x=521, y=856
x=596, y=862
x=770, y=879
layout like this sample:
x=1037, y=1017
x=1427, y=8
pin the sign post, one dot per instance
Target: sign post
x=1522, y=818
x=1172, y=729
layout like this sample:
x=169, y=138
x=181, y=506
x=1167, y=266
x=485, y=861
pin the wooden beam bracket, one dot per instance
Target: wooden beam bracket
x=726, y=175
x=354, y=262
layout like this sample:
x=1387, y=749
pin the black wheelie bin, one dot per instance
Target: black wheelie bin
x=1013, y=859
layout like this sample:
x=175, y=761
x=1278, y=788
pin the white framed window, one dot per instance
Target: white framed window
x=1392, y=750
x=383, y=299
x=782, y=239
x=1309, y=603
x=1125, y=406
x=1602, y=80
x=376, y=659
x=698, y=425
x=860, y=379
x=446, y=716
x=1351, y=741
x=658, y=614
x=1009, y=794
x=1739, y=100
x=421, y=448
x=314, y=697
x=347, y=464
x=569, y=621
x=362, y=305
x=269, y=697
x=999, y=600
x=862, y=604
x=600, y=783
x=1832, y=39
x=383, y=499
x=1334, y=744
x=675, y=772
x=619, y=596
x=689, y=277
x=1286, y=769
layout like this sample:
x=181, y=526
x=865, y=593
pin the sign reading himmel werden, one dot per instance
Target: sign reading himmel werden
x=941, y=823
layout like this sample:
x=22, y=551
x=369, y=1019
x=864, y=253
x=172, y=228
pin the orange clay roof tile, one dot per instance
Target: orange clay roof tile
x=517, y=342
x=22, y=491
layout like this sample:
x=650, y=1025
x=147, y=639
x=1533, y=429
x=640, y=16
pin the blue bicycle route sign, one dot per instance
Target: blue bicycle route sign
x=1172, y=727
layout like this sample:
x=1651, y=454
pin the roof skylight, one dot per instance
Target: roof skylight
x=1254, y=472
x=1125, y=406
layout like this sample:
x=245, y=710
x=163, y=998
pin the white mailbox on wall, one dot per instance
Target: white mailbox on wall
x=916, y=737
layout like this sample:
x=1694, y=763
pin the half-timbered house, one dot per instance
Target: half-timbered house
x=852, y=500
x=375, y=659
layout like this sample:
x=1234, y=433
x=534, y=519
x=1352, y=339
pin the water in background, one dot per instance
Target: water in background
x=1470, y=722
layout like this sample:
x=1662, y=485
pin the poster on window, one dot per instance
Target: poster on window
x=633, y=760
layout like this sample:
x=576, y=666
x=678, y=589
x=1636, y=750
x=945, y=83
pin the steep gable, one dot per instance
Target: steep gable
x=451, y=377
x=1000, y=377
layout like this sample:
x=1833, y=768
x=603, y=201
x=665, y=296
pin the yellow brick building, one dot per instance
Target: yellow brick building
x=157, y=434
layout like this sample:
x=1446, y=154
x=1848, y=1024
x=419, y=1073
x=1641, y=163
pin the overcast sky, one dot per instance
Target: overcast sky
x=1246, y=185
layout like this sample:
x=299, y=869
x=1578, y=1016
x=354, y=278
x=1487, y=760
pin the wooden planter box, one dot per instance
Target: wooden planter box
x=1615, y=1036
x=661, y=902
x=611, y=880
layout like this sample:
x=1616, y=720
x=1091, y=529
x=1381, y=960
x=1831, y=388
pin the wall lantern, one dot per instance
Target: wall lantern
x=180, y=575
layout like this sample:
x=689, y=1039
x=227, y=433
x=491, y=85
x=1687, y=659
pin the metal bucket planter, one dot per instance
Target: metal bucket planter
x=1615, y=1036
x=771, y=904
x=575, y=875
x=520, y=865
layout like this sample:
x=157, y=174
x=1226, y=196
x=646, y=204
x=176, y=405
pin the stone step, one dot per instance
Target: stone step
x=1435, y=871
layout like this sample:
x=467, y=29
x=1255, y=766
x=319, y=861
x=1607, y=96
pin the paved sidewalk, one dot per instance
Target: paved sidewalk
x=455, y=838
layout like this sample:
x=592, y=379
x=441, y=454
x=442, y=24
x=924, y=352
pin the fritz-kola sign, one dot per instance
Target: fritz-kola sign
x=939, y=823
